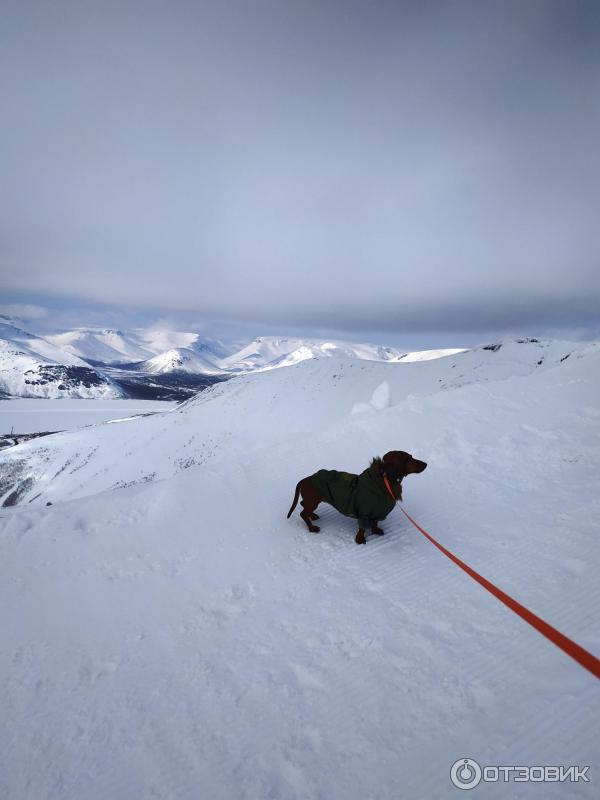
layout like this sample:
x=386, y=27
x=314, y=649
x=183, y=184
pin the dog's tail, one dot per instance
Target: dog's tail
x=296, y=496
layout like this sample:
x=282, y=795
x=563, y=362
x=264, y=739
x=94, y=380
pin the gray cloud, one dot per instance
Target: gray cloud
x=24, y=311
x=345, y=164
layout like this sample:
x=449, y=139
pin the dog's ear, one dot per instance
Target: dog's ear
x=377, y=465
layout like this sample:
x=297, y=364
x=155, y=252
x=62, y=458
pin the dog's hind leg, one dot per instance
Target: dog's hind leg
x=308, y=514
x=311, y=497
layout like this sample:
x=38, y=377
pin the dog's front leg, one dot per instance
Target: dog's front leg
x=363, y=524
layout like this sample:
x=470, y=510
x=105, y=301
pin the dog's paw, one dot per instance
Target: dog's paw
x=314, y=529
x=377, y=531
x=360, y=538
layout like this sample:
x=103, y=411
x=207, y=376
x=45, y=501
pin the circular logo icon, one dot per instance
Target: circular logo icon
x=465, y=773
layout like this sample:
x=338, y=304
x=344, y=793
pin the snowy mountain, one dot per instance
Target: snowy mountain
x=170, y=633
x=104, y=345
x=121, y=363
x=31, y=366
x=110, y=346
x=162, y=340
x=180, y=360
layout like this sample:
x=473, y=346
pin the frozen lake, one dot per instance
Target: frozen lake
x=33, y=415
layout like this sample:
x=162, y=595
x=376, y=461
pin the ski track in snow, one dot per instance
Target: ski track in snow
x=182, y=639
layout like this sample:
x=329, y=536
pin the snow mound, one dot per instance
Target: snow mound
x=380, y=399
x=382, y=396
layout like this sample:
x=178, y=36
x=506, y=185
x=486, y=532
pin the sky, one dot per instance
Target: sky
x=413, y=172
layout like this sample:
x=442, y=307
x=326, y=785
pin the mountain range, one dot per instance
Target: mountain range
x=154, y=363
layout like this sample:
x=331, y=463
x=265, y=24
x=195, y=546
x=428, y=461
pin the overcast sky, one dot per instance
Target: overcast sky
x=419, y=168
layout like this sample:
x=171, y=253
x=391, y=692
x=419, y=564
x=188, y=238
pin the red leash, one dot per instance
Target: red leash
x=571, y=648
x=389, y=488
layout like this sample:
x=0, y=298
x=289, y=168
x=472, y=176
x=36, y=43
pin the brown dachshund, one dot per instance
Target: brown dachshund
x=368, y=497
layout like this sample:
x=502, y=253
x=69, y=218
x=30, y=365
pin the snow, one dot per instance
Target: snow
x=180, y=638
x=34, y=415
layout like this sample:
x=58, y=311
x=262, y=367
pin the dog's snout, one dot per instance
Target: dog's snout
x=421, y=465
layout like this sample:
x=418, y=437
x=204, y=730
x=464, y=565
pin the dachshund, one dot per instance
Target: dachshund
x=368, y=497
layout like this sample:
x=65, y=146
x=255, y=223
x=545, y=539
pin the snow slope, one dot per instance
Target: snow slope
x=181, y=638
x=282, y=404
x=31, y=366
x=428, y=355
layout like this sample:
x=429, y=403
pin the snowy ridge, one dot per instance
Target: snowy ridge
x=269, y=352
x=216, y=649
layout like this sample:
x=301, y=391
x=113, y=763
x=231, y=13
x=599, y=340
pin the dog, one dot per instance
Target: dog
x=368, y=497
